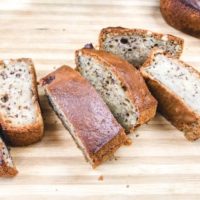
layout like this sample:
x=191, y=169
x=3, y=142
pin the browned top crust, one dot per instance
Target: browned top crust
x=117, y=31
x=183, y=15
x=93, y=123
x=130, y=78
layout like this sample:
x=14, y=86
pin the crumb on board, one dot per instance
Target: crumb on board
x=128, y=141
x=137, y=135
x=127, y=186
x=101, y=178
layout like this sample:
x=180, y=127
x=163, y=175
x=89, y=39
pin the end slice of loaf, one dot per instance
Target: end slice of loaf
x=134, y=45
x=120, y=85
x=20, y=115
x=84, y=113
x=176, y=86
x=7, y=167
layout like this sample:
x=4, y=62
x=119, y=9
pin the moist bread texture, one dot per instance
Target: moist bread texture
x=20, y=115
x=176, y=86
x=120, y=85
x=7, y=167
x=183, y=15
x=134, y=45
x=84, y=114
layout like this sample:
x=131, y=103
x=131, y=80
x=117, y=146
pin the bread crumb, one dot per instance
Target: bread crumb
x=137, y=135
x=115, y=158
x=127, y=186
x=101, y=178
x=128, y=141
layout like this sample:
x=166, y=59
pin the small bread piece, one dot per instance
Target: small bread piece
x=7, y=167
x=120, y=85
x=84, y=113
x=20, y=115
x=183, y=15
x=134, y=45
x=176, y=86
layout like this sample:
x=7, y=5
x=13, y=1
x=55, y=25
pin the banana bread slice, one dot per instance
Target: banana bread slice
x=120, y=85
x=20, y=116
x=84, y=113
x=134, y=45
x=176, y=86
x=7, y=167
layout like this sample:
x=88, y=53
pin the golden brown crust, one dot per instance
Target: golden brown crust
x=172, y=106
x=28, y=134
x=92, y=122
x=130, y=78
x=108, y=150
x=7, y=171
x=117, y=31
x=183, y=15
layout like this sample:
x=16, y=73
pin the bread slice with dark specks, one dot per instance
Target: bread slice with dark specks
x=120, y=85
x=176, y=86
x=20, y=115
x=84, y=114
x=134, y=45
x=7, y=167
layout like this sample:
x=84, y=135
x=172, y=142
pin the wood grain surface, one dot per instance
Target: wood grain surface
x=160, y=164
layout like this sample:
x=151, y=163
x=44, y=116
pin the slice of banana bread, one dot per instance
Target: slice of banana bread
x=134, y=45
x=20, y=115
x=7, y=167
x=84, y=113
x=120, y=85
x=176, y=86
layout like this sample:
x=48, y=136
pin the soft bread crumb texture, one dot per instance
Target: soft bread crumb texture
x=16, y=95
x=111, y=90
x=135, y=48
x=183, y=81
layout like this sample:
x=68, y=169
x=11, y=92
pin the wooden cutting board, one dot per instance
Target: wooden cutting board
x=160, y=164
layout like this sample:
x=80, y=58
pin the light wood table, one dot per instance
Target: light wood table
x=160, y=164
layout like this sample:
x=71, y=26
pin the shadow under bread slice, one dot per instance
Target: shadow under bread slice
x=20, y=115
x=176, y=86
x=134, y=45
x=121, y=86
x=7, y=167
x=84, y=114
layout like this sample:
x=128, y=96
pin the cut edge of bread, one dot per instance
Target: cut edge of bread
x=31, y=133
x=191, y=127
x=145, y=114
x=5, y=169
x=117, y=31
